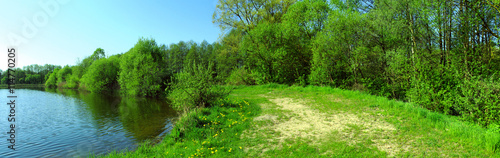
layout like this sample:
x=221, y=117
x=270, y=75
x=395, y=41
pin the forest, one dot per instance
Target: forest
x=31, y=74
x=442, y=55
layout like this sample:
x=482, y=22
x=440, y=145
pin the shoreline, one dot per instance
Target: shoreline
x=21, y=86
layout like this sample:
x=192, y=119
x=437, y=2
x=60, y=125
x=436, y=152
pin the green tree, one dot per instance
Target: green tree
x=228, y=54
x=52, y=80
x=195, y=87
x=245, y=15
x=143, y=70
x=63, y=74
x=102, y=75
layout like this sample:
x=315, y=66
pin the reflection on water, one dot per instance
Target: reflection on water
x=69, y=123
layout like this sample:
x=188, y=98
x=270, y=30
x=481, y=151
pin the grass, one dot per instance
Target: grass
x=367, y=126
x=213, y=131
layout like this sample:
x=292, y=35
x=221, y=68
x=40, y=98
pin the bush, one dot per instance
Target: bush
x=51, y=81
x=436, y=90
x=102, y=75
x=143, y=70
x=72, y=81
x=480, y=101
x=240, y=76
x=63, y=74
x=195, y=87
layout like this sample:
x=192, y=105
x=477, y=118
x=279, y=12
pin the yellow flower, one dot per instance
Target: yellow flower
x=240, y=147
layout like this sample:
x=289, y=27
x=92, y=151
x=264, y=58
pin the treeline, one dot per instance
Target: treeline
x=442, y=55
x=144, y=70
x=31, y=74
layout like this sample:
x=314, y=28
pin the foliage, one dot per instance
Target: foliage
x=31, y=74
x=228, y=54
x=240, y=76
x=52, y=80
x=99, y=53
x=250, y=14
x=142, y=69
x=102, y=75
x=479, y=100
x=63, y=74
x=195, y=87
x=279, y=51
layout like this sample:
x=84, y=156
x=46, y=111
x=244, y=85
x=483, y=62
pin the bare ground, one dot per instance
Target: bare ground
x=300, y=121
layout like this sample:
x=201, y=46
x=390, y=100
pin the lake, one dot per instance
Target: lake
x=69, y=123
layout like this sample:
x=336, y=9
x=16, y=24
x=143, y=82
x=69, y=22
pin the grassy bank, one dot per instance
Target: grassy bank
x=275, y=120
x=211, y=131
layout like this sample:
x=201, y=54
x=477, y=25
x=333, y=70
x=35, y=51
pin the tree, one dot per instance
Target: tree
x=281, y=52
x=52, y=80
x=142, y=69
x=175, y=56
x=246, y=14
x=85, y=63
x=228, y=54
x=195, y=87
x=63, y=74
x=102, y=75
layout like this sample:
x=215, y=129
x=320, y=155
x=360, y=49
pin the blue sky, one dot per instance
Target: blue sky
x=67, y=30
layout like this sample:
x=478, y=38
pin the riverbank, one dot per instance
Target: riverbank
x=275, y=120
x=19, y=86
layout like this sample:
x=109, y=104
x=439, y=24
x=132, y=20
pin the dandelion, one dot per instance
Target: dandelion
x=240, y=147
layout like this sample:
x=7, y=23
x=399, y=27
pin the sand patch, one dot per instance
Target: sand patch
x=308, y=123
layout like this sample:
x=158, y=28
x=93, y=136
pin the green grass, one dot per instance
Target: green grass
x=417, y=132
x=423, y=132
x=213, y=131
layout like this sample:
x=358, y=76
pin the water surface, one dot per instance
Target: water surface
x=69, y=123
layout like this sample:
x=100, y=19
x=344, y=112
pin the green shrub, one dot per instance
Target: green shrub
x=142, y=69
x=63, y=74
x=72, y=81
x=51, y=81
x=195, y=87
x=102, y=75
x=436, y=90
x=479, y=100
x=240, y=76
